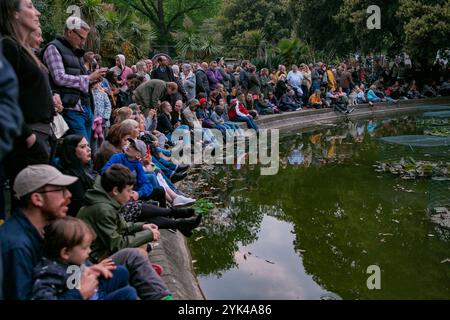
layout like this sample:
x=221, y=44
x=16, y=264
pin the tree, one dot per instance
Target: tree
x=352, y=19
x=313, y=22
x=123, y=32
x=197, y=43
x=244, y=22
x=53, y=17
x=166, y=15
x=426, y=28
x=292, y=50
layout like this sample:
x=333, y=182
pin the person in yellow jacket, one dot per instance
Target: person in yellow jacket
x=331, y=79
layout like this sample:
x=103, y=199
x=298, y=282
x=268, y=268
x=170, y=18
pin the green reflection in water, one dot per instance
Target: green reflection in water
x=341, y=215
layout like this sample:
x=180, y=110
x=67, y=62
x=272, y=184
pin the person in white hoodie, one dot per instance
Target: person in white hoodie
x=189, y=81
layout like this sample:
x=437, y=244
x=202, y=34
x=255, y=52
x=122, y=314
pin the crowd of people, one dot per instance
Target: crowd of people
x=87, y=149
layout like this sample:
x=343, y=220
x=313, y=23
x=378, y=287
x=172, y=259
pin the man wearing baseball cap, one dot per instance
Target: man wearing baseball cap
x=43, y=197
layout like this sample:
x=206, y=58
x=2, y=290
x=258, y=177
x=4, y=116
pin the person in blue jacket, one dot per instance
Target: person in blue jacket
x=143, y=189
x=11, y=118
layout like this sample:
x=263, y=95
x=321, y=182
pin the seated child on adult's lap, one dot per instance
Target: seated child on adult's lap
x=65, y=272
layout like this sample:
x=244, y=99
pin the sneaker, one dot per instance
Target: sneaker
x=181, y=201
x=298, y=109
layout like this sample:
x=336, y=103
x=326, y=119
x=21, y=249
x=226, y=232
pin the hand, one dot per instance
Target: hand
x=109, y=264
x=31, y=140
x=97, y=75
x=134, y=195
x=88, y=283
x=154, y=229
x=102, y=271
x=58, y=103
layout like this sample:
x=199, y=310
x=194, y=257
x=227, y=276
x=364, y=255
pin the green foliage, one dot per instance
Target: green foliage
x=203, y=206
x=272, y=61
x=166, y=15
x=52, y=18
x=124, y=32
x=249, y=26
x=352, y=19
x=292, y=50
x=113, y=29
x=197, y=43
x=296, y=51
x=426, y=27
x=313, y=22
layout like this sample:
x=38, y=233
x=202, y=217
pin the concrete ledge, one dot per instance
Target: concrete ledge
x=173, y=255
x=312, y=118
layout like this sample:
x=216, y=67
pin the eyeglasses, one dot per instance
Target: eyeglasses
x=65, y=191
x=79, y=35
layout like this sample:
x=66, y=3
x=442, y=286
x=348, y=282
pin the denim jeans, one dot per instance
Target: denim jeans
x=165, y=152
x=151, y=176
x=117, y=288
x=79, y=122
x=231, y=125
x=167, y=171
x=250, y=123
x=143, y=277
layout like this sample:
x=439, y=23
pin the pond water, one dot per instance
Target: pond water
x=312, y=230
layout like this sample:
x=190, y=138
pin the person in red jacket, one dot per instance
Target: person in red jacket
x=238, y=112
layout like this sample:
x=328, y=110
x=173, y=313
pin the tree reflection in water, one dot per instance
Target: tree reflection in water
x=345, y=216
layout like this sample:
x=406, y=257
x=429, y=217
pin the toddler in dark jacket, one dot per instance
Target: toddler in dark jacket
x=65, y=272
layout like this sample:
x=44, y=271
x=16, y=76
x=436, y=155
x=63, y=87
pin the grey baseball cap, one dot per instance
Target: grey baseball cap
x=139, y=145
x=37, y=176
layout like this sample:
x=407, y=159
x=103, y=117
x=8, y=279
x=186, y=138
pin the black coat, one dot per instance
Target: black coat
x=164, y=124
x=51, y=282
x=166, y=75
x=202, y=82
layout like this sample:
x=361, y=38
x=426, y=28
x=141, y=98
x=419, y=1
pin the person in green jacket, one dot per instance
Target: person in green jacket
x=150, y=92
x=110, y=192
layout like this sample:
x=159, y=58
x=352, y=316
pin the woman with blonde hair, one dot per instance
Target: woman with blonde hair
x=306, y=82
x=122, y=114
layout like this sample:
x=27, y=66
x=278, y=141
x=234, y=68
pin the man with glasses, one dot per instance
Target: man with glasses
x=69, y=77
x=43, y=197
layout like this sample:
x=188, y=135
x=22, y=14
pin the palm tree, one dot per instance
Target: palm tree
x=292, y=50
x=197, y=43
x=188, y=41
x=123, y=32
